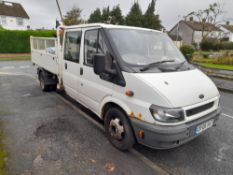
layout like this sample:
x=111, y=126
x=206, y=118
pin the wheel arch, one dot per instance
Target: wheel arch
x=123, y=108
x=109, y=102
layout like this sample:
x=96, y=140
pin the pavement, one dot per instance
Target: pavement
x=222, y=78
x=223, y=84
x=47, y=133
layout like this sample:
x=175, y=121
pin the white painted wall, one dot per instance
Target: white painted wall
x=12, y=24
x=227, y=33
x=178, y=43
x=198, y=35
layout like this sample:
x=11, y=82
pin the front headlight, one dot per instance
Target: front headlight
x=167, y=115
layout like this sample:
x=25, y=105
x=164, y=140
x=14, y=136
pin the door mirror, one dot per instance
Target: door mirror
x=100, y=65
x=99, y=62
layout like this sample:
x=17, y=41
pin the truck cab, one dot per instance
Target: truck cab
x=135, y=79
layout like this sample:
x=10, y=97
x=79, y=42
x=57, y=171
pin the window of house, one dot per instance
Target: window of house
x=72, y=46
x=94, y=43
x=19, y=21
x=3, y=19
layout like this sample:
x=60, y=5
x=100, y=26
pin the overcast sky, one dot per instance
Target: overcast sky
x=43, y=13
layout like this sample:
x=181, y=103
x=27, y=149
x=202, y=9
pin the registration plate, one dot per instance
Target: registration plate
x=204, y=126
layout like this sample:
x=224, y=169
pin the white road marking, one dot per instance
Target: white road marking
x=18, y=74
x=226, y=115
x=27, y=95
x=8, y=67
x=24, y=67
x=144, y=159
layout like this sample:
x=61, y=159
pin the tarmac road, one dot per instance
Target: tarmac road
x=47, y=136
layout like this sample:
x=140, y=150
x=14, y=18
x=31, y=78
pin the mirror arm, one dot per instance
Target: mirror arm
x=111, y=71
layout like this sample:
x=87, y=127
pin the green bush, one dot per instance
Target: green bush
x=12, y=41
x=215, y=45
x=188, y=51
x=205, y=55
x=210, y=44
x=226, y=46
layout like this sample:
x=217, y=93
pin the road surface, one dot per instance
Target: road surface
x=47, y=135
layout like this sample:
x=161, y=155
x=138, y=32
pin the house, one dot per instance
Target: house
x=13, y=16
x=177, y=40
x=227, y=31
x=191, y=31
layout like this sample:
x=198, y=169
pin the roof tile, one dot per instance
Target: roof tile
x=15, y=10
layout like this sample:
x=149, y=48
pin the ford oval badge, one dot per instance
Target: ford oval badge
x=201, y=96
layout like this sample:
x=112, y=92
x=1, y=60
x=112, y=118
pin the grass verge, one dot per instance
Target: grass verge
x=3, y=155
x=23, y=58
x=217, y=66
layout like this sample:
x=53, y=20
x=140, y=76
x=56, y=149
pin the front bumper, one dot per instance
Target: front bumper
x=166, y=137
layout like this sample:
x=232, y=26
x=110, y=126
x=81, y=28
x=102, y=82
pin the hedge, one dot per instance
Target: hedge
x=215, y=45
x=12, y=41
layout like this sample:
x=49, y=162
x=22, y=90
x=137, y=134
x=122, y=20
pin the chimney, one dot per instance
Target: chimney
x=191, y=19
x=228, y=23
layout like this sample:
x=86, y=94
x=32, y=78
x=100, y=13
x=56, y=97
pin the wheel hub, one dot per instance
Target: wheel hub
x=116, y=129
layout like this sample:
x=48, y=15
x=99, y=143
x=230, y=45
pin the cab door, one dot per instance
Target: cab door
x=71, y=62
x=94, y=89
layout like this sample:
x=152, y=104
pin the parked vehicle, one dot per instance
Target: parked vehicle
x=134, y=79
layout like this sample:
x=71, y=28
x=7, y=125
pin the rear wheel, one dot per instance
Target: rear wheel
x=43, y=85
x=118, y=129
x=53, y=87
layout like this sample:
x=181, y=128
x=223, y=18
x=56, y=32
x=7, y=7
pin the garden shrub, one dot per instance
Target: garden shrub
x=187, y=51
x=210, y=44
x=215, y=45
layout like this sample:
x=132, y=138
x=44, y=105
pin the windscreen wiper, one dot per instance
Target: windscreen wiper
x=180, y=65
x=149, y=66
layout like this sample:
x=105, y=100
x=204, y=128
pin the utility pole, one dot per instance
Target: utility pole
x=59, y=9
x=178, y=29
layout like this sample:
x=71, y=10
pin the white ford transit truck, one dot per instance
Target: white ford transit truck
x=134, y=79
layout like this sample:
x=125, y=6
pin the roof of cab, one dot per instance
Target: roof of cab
x=109, y=26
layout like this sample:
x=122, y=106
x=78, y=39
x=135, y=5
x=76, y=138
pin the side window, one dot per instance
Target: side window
x=91, y=40
x=94, y=43
x=72, y=46
x=20, y=21
x=4, y=22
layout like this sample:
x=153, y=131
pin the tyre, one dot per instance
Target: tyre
x=43, y=85
x=53, y=87
x=118, y=129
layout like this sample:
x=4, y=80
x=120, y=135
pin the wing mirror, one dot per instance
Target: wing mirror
x=100, y=65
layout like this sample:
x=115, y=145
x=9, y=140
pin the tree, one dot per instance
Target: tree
x=116, y=15
x=96, y=16
x=105, y=14
x=73, y=17
x=208, y=18
x=150, y=20
x=134, y=18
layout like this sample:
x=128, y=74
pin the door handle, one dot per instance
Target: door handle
x=81, y=71
x=65, y=65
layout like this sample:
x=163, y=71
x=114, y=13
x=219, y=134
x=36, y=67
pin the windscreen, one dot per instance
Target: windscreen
x=144, y=47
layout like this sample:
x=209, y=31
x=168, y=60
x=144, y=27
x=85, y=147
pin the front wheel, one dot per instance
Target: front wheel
x=118, y=129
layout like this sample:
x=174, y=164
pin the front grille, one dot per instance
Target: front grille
x=199, y=109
